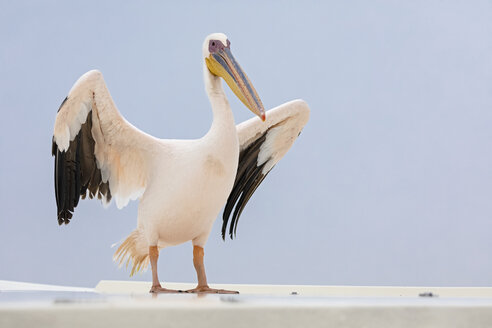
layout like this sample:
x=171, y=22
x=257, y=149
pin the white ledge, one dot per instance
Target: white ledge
x=128, y=304
x=132, y=288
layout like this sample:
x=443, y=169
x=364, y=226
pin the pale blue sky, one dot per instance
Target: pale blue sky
x=389, y=184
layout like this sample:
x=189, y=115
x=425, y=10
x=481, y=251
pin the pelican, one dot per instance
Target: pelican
x=181, y=185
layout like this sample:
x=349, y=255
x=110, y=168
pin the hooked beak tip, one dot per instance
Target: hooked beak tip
x=263, y=118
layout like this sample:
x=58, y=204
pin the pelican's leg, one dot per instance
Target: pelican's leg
x=202, y=287
x=156, y=285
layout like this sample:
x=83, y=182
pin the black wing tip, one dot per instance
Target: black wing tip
x=64, y=217
x=224, y=228
x=54, y=146
x=230, y=236
x=256, y=177
x=76, y=173
x=249, y=176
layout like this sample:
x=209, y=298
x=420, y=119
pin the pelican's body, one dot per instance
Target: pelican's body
x=194, y=185
x=181, y=184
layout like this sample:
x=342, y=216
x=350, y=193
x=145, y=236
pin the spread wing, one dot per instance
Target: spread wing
x=262, y=145
x=97, y=152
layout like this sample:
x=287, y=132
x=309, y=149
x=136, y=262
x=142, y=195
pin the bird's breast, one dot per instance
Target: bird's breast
x=220, y=151
x=214, y=166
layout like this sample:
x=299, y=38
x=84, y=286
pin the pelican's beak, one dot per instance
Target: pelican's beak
x=223, y=64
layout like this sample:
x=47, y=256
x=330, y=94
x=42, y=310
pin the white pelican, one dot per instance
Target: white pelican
x=181, y=184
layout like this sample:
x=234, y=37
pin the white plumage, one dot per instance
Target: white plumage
x=283, y=123
x=181, y=184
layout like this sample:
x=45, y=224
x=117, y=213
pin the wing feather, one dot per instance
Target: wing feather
x=97, y=152
x=262, y=145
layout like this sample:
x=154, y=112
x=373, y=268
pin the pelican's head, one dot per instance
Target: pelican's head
x=220, y=62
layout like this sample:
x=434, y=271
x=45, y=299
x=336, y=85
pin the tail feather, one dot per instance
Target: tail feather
x=133, y=250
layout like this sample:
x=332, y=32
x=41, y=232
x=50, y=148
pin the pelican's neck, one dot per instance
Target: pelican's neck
x=223, y=121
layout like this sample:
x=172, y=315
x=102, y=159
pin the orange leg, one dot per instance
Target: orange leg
x=156, y=285
x=202, y=287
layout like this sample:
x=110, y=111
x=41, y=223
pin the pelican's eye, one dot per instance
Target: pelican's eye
x=214, y=46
